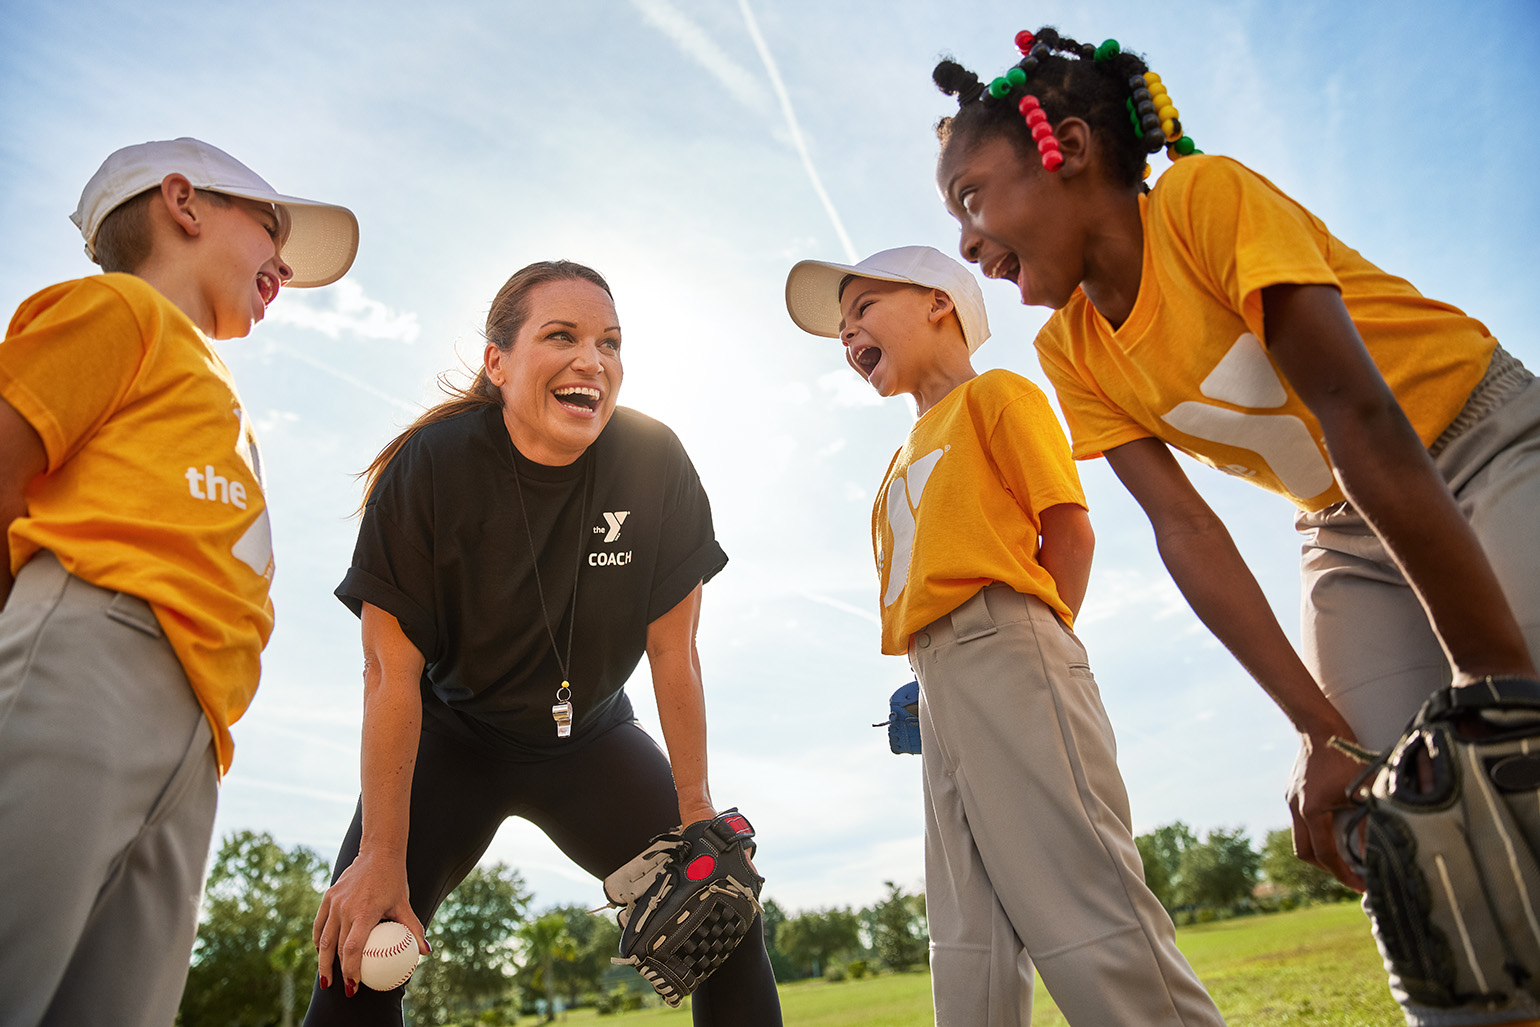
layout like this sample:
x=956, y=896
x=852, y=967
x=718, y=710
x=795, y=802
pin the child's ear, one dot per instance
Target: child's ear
x=940, y=306
x=182, y=203
x=1074, y=137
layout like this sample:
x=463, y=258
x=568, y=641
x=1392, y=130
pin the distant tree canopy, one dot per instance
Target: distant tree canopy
x=473, y=962
x=1220, y=871
x=1296, y=877
x=816, y=938
x=1161, y=851
x=254, y=959
x=898, y=929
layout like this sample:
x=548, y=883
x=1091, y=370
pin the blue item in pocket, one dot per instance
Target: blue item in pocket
x=904, y=719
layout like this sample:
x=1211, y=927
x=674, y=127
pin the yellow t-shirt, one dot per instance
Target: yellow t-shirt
x=960, y=505
x=1190, y=365
x=153, y=483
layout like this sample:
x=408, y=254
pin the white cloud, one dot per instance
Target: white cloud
x=344, y=308
x=1123, y=592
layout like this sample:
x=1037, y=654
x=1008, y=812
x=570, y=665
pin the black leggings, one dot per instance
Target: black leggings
x=601, y=805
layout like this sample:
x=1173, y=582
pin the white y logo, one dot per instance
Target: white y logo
x=615, y=520
x=1245, y=377
x=903, y=504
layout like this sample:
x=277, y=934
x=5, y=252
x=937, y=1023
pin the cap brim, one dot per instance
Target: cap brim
x=322, y=239
x=812, y=294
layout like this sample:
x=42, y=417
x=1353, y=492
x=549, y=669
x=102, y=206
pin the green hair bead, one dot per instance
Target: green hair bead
x=1108, y=50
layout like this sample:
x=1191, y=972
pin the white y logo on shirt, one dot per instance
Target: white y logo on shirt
x=903, y=505
x=1245, y=377
x=614, y=520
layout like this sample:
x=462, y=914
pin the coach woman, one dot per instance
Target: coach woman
x=522, y=545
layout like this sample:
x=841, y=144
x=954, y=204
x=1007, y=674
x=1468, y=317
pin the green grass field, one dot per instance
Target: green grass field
x=1314, y=966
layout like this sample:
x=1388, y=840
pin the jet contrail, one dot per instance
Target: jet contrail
x=357, y=383
x=796, y=131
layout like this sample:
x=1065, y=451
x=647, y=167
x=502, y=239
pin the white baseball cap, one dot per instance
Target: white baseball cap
x=812, y=288
x=322, y=237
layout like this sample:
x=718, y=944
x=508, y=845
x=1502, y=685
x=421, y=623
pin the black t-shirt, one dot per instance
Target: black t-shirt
x=443, y=548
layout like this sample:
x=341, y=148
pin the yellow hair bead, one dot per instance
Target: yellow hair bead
x=1167, y=113
x=1151, y=78
x=1146, y=174
x=1169, y=128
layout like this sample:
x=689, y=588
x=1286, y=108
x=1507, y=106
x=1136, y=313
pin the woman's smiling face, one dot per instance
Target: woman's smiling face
x=561, y=377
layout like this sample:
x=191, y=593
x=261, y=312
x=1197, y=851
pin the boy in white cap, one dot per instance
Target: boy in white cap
x=136, y=591
x=983, y=550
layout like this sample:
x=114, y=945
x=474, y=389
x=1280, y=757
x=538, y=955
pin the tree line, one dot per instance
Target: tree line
x=494, y=957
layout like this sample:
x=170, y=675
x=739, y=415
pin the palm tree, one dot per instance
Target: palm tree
x=546, y=943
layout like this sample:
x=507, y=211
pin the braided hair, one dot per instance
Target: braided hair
x=1107, y=87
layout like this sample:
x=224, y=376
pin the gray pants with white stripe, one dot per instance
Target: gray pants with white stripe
x=107, y=793
x=1029, y=850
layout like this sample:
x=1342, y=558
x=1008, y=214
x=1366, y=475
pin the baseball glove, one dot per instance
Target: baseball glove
x=686, y=902
x=1445, y=837
x=903, y=721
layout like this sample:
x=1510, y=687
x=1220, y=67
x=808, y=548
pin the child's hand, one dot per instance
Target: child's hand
x=1323, y=773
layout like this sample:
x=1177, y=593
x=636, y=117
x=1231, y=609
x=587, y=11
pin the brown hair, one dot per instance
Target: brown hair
x=509, y=311
x=123, y=240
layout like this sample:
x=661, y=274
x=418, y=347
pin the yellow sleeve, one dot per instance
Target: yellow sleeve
x=1033, y=456
x=1242, y=233
x=70, y=356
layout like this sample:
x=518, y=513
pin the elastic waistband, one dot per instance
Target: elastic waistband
x=1504, y=376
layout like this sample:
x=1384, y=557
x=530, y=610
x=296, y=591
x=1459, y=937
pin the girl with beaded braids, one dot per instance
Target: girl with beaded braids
x=1213, y=314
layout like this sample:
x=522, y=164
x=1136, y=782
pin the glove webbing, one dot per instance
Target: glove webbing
x=707, y=948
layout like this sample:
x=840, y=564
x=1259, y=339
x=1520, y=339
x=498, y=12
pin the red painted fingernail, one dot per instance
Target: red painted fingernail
x=350, y=987
x=324, y=982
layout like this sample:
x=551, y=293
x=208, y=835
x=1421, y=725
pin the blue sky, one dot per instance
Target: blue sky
x=692, y=151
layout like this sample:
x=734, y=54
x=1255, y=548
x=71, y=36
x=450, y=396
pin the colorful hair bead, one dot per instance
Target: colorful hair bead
x=999, y=88
x=1024, y=41
x=1016, y=77
x=1042, y=132
x=1156, y=118
x=1107, y=51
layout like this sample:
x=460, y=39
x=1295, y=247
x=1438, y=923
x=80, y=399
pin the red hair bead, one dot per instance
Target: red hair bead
x=1024, y=40
x=1042, y=132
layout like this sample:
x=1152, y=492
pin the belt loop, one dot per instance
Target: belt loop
x=972, y=620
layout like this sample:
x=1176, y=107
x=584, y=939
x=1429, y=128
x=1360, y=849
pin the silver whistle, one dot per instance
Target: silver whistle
x=562, y=714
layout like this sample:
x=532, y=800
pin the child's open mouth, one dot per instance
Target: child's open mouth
x=1007, y=267
x=579, y=397
x=267, y=287
x=868, y=358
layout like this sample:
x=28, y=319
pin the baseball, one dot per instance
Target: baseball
x=390, y=956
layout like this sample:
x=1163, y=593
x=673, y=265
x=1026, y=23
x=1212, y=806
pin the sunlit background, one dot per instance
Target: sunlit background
x=692, y=151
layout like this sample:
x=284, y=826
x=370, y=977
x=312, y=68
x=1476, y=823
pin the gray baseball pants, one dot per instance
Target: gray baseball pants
x=1366, y=637
x=1029, y=851
x=107, y=793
